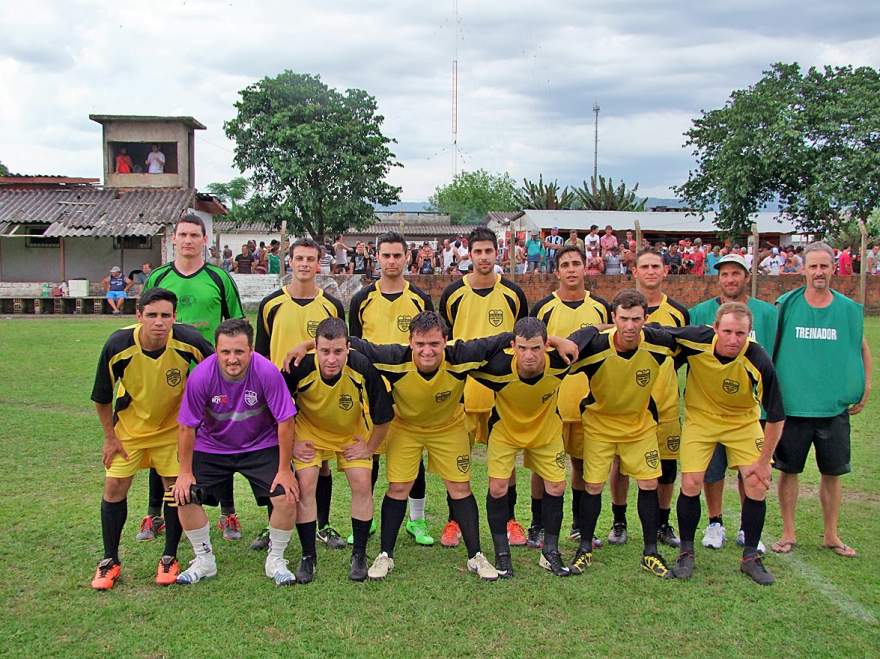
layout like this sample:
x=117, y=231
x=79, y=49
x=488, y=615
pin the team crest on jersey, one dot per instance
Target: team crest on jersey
x=673, y=442
x=220, y=400
x=312, y=328
x=250, y=397
x=345, y=402
x=560, y=459
x=730, y=386
x=759, y=443
x=496, y=317
x=173, y=377
x=463, y=462
x=643, y=377
x=185, y=301
x=652, y=458
x=442, y=396
x=403, y=322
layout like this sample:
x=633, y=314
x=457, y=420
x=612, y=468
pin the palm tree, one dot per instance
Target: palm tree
x=230, y=193
x=544, y=197
x=605, y=197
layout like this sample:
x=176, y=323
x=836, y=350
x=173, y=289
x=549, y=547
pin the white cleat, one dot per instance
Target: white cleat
x=201, y=567
x=381, y=566
x=481, y=566
x=741, y=542
x=714, y=536
x=276, y=569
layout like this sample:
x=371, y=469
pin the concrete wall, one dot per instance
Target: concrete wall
x=165, y=131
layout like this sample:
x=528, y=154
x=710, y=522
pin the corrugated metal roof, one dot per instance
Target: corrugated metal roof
x=137, y=212
x=687, y=223
x=413, y=224
x=107, y=118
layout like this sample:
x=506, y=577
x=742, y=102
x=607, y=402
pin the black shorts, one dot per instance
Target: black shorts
x=213, y=470
x=830, y=435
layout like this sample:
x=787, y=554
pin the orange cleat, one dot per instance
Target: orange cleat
x=516, y=534
x=106, y=575
x=451, y=534
x=167, y=571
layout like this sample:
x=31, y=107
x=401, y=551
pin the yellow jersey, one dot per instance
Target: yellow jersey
x=385, y=317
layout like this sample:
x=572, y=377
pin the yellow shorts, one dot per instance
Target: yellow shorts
x=547, y=461
x=669, y=439
x=573, y=390
x=449, y=454
x=743, y=445
x=477, y=426
x=478, y=397
x=161, y=458
x=639, y=459
x=573, y=439
x=341, y=463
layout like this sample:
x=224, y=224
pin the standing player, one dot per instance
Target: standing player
x=286, y=318
x=343, y=414
x=206, y=296
x=481, y=304
x=236, y=416
x=569, y=308
x=733, y=286
x=150, y=362
x=381, y=313
x=662, y=310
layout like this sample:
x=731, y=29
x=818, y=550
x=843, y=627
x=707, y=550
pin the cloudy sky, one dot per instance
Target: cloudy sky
x=528, y=75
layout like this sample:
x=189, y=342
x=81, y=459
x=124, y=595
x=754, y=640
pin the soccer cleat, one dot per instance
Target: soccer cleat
x=381, y=566
x=666, y=535
x=261, y=542
x=451, y=534
x=201, y=567
x=106, y=575
x=574, y=534
x=167, y=571
x=503, y=565
x=151, y=526
x=481, y=566
x=552, y=561
x=655, y=564
x=305, y=573
x=754, y=567
x=230, y=526
x=330, y=537
x=277, y=570
x=358, y=571
x=418, y=529
x=684, y=565
x=535, y=538
x=714, y=536
x=741, y=542
x=582, y=560
x=597, y=542
x=516, y=534
x=617, y=535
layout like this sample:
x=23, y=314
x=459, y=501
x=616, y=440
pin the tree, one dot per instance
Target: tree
x=317, y=157
x=809, y=141
x=4, y=170
x=544, y=197
x=605, y=197
x=473, y=194
x=232, y=193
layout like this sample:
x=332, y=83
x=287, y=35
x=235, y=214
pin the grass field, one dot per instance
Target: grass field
x=50, y=540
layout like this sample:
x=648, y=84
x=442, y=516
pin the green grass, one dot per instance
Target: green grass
x=50, y=540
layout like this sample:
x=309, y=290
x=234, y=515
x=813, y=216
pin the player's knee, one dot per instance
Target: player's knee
x=458, y=490
x=283, y=507
x=497, y=487
x=669, y=470
x=594, y=488
x=399, y=491
x=692, y=483
x=116, y=489
x=648, y=485
x=554, y=488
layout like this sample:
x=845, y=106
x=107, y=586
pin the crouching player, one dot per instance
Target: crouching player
x=236, y=417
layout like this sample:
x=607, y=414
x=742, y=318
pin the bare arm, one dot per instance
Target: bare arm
x=186, y=437
x=112, y=445
x=866, y=359
x=760, y=470
x=285, y=477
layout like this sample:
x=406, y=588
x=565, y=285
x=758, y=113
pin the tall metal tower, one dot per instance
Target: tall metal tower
x=596, y=143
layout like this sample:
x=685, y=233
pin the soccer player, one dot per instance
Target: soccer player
x=729, y=378
x=624, y=366
x=236, y=417
x=150, y=362
x=381, y=313
x=824, y=330
x=569, y=308
x=343, y=414
x=662, y=310
x=733, y=286
x=206, y=296
x=481, y=304
x=286, y=318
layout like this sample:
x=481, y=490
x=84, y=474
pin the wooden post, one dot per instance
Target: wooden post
x=511, y=248
x=863, y=263
x=638, y=236
x=755, y=259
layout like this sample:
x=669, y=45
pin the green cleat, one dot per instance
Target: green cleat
x=418, y=529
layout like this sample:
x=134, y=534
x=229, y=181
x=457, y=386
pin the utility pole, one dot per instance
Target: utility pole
x=596, y=143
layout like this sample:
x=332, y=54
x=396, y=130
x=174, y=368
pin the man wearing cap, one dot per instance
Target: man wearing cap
x=733, y=286
x=534, y=252
x=116, y=287
x=773, y=263
x=553, y=243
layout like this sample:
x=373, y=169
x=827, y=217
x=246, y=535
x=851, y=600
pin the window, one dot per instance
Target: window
x=137, y=154
x=34, y=233
x=133, y=242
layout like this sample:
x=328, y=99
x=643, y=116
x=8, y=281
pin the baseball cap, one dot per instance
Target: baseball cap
x=115, y=268
x=775, y=250
x=733, y=258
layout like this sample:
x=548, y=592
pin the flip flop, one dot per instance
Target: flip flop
x=842, y=550
x=783, y=546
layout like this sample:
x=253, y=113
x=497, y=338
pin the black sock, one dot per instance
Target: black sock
x=688, y=511
x=753, y=514
x=664, y=516
x=619, y=511
x=323, y=494
x=157, y=491
x=588, y=515
x=269, y=509
x=374, y=475
x=537, y=517
x=469, y=521
x=511, y=502
x=173, y=530
x=306, y=532
x=552, y=515
x=361, y=532
x=418, y=488
x=451, y=508
x=717, y=520
x=497, y=511
x=227, y=498
x=576, y=506
x=393, y=512
x=648, y=509
x=113, y=516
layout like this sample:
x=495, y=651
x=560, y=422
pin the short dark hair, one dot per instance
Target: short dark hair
x=331, y=329
x=594, y=226
x=568, y=249
x=628, y=298
x=530, y=327
x=482, y=233
x=643, y=252
x=391, y=237
x=234, y=327
x=191, y=218
x=306, y=242
x=156, y=295
x=427, y=321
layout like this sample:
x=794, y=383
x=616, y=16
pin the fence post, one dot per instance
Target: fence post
x=755, y=243
x=638, y=237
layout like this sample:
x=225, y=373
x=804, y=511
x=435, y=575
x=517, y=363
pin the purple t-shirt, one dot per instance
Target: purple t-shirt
x=235, y=417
